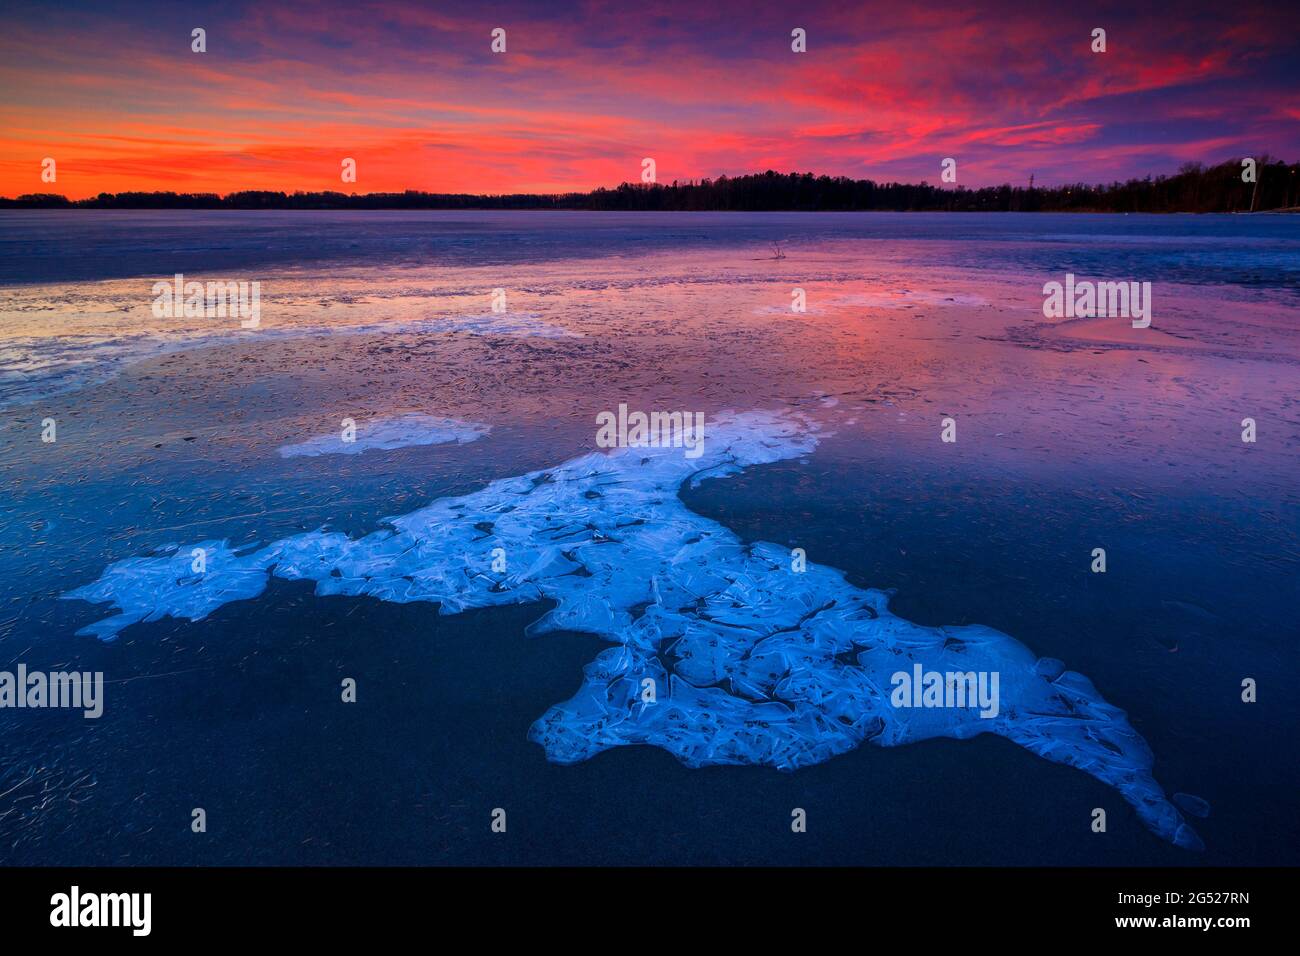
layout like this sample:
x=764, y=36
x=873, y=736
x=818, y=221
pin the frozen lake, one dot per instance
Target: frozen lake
x=1072, y=434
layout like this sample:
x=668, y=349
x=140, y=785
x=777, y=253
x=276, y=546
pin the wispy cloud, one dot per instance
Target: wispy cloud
x=417, y=98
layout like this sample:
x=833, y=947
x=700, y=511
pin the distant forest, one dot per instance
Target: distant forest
x=1195, y=188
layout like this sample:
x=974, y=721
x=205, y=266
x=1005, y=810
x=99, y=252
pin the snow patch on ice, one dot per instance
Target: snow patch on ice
x=399, y=431
x=752, y=663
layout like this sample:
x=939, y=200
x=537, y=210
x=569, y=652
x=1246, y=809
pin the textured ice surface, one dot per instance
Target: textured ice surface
x=525, y=324
x=400, y=431
x=751, y=662
x=40, y=366
x=885, y=299
x=1189, y=803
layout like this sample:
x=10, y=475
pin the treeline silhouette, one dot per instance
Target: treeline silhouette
x=1194, y=188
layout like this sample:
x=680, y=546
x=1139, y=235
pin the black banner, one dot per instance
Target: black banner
x=205, y=905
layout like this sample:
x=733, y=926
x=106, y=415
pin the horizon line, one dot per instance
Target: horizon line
x=1265, y=159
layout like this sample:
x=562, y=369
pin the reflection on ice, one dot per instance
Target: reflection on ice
x=721, y=653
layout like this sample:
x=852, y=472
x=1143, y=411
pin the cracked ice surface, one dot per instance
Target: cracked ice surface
x=752, y=662
x=400, y=431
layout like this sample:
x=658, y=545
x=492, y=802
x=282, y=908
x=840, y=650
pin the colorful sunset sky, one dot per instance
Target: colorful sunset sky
x=413, y=93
